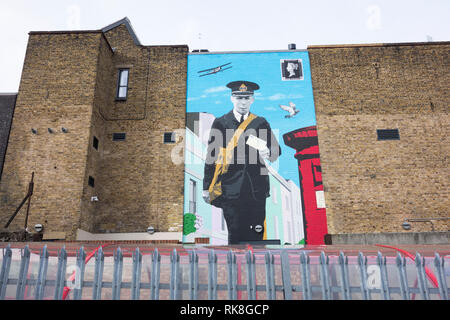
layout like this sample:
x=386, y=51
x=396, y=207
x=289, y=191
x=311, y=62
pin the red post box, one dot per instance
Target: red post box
x=306, y=144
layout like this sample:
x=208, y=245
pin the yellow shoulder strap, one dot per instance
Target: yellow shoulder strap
x=237, y=134
x=225, y=154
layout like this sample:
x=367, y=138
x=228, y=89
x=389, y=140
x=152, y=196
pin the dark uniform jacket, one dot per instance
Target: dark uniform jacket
x=246, y=167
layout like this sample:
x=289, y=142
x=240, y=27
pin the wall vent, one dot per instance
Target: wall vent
x=388, y=134
x=119, y=136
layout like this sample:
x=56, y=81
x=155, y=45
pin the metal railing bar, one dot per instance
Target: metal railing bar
x=174, y=274
x=362, y=262
x=173, y=261
x=155, y=273
x=178, y=279
x=251, y=276
x=403, y=280
x=196, y=275
x=270, y=276
x=286, y=275
x=98, y=274
x=439, y=264
x=23, y=271
x=193, y=275
x=60, y=274
x=324, y=276
x=232, y=275
x=212, y=275
x=4, y=273
x=343, y=264
x=79, y=274
x=117, y=274
x=136, y=276
x=42, y=273
x=383, y=275
x=420, y=264
x=305, y=275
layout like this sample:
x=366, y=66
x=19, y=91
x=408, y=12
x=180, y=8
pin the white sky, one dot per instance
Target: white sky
x=233, y=25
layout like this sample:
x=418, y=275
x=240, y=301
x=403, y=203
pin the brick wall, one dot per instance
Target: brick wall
x=69, y=80
x=141, y=186
x=371, y=185
x=104, y=93
x=7, y=104
x=56, y=91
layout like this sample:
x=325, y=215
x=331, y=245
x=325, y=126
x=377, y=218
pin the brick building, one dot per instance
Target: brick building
x=372, y=183
x=113, y=146
x=96, y=110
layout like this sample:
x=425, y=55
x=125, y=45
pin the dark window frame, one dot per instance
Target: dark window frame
x=119, y=86
x=91, y=181
x=119, y=136
x=172, y=137
x=388, y=134
x=95, y=143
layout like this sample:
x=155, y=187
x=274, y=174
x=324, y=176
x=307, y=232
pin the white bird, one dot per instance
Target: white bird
x=291, y=109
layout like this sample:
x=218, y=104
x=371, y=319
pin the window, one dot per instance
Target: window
x=286, y=203
x=169, y=137
x=122, y=85
x=274, y=195
x=388, y=134
x=95, y=143
x=91, y=181
x=289, y=227
x=192, y=196
x=275, y=227
x=119, y=136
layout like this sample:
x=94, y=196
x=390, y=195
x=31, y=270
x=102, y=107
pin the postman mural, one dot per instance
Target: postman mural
x=252, y=161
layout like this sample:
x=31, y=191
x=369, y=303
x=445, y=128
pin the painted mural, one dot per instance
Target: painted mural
x=252, y=161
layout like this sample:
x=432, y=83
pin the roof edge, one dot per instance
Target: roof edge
x=167, y=46
x=399, y=44
x=125, y=21
x=64, y=32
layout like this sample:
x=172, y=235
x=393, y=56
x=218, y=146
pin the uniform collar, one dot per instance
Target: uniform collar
x=237, y=115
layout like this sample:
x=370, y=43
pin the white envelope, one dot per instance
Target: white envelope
x=257, y=143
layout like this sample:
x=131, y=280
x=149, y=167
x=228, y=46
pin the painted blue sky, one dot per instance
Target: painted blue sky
x=210, y=94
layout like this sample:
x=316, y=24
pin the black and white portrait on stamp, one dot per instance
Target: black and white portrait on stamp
x=291, y=70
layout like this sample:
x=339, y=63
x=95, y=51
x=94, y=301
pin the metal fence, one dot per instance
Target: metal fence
x=215, y=273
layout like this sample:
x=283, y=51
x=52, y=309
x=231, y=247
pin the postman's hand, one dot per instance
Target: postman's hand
x=265, y=153
x=206, y=196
